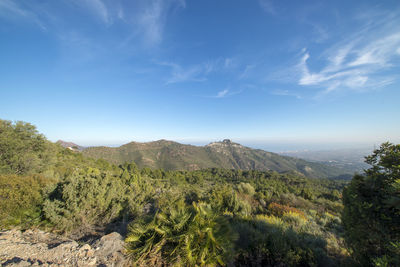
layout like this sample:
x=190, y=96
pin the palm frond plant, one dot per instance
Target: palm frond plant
x=208, y=240
x=183, y=235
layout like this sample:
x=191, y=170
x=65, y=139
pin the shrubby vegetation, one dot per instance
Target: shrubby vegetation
x=372, y=209
x=22, y=149
x=204, y=217
x=21, y=197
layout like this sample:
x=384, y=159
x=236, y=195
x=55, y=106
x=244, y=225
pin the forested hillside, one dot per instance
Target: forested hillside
x=208, y=217
x=170, y=155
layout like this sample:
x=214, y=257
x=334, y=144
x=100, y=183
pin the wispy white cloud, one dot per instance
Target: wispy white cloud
x=152, y=22
x=364, y=62
x=144, y=20
x=153, y=18
x=225, y=93
x=12, y=7
x=77, y=48
x=357, y=78
x=268, y=6
x=378, y=52
x=230, y=63
x=279, y=92
x=98, y=8
x=197, y=72
x=338, y=56
x=9, y=8
x=222, y=93
x=43, y=13
x=320, y=32
x=179, y=74
x=246, y=71
x=120, y=13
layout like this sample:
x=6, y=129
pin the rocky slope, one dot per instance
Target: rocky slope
x=38, y=248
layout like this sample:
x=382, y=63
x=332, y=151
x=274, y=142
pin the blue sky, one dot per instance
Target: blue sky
x=262, y=73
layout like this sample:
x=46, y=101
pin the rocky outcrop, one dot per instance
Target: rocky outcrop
x=38, y=248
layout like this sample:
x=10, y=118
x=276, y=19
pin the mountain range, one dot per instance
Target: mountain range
x=170, y=155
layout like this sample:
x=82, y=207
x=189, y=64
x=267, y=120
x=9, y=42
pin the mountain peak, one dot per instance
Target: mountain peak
x=224, y=143
x=70, y=145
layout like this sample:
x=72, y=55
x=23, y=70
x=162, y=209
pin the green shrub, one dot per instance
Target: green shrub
x=21, y=199
x=182, y=235
x=226, y=199
x=85, y=198
x=371, y=214
x=269, y=241
x=246, y=188
x=279, y=210
x=22, y=149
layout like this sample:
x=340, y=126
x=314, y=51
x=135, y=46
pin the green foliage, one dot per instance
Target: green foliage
x=182, y=235
x=137, y=191
x=209, y=239
x=269, y=241
x=85, y=198
x=279, y=210
x=336, y=195
x=246, y=188
x=22, y=149
x=371, y=215
x=225, y=199
x=306, y=193
x=20, y=199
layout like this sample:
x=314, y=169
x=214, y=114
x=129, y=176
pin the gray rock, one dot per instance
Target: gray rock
x=110, y=249
x=38, y=248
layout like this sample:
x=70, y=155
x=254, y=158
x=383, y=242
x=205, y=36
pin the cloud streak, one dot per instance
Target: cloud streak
x=285, y=93
x=12, y=7
x=197, y=72
x=246, y=71
x=9, y=8
x=144, y=20
x=99, y=8
x=153, y=19
x=225, y=93
x=268, y=6
x=222, y=93
x=179, y=74
x=363, y=63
